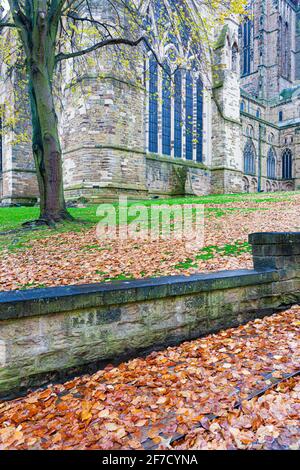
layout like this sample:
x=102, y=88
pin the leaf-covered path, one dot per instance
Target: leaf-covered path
x=146, y=402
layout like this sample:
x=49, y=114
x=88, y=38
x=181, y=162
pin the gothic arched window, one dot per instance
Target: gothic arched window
x=250, y=131
x=234, y=57
x=271, y=164
x=175, y=107
x=199, y=120
x=189, y=116
x=178, y=114
x=166, y=111
x=285, y=48
x=287, y=159
x=249, y=158
x=247, y=46
x=175, y=101
x=153, y=106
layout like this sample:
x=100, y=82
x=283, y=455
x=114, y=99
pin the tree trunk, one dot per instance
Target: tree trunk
x=46, y=147
x=40, y=42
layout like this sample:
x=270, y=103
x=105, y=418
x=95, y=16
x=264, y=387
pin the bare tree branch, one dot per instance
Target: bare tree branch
x=92, y=21
x=7, y=25
x=110, y=42
x=99, y=45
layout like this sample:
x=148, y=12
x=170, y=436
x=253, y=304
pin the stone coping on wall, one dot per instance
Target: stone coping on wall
x=107, y=185
x=276, y=238
x=32, y=302
x=119, y=148
x=176, y=161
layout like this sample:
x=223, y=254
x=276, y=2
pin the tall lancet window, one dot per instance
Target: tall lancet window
x=234, y=58
x=175, y=112
x=249, y=158
x=285, y=48
x=189, y=117
x=166, y=111
x=271, y=164
x=153, y=106
x=287, y=164
x=178, y=114
x=199, y=120
x=247, y=50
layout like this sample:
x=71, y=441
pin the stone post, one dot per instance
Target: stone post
x=277, y=250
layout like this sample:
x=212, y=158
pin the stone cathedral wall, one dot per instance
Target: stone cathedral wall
x=18, y=182
x=103, y=120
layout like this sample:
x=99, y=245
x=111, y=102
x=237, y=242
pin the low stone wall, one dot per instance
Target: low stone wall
x=49, y=334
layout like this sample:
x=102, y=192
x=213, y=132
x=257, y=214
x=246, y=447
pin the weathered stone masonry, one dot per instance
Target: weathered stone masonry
x=48, y=334
x=104, y=120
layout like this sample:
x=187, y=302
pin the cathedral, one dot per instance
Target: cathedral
x=235, y=131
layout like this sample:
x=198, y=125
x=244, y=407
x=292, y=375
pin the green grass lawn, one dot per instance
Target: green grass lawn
x=223, y=250
x=11, y=218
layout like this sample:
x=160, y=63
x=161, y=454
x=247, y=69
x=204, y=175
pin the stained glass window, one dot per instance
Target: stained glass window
x=287, y=158
x=189, y=117
x=199, y=120
x=153, y=106
x=166, y=111
x=247, y=46
x=285, y=48
x=190, y=96
x=249, y=158
x=271, y=164
x=178, y=114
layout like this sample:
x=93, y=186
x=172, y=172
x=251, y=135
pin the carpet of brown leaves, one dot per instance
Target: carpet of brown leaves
x=77, y=258
x=145, y=402
x=270, y=422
